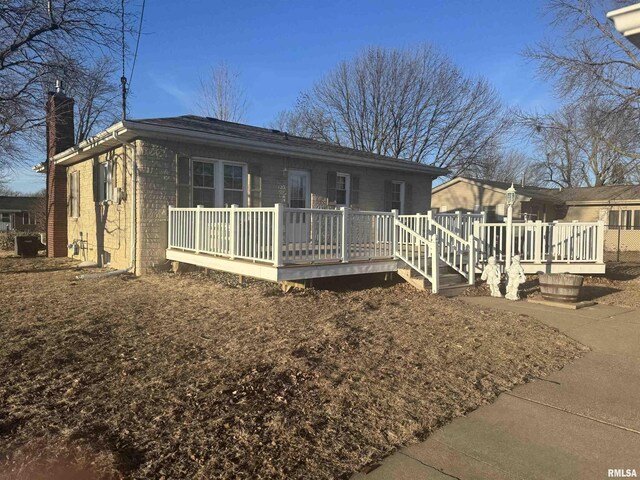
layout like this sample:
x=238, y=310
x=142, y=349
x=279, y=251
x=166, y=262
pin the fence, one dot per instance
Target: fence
x=282, y=235
x=538, y=242
x=622, y=243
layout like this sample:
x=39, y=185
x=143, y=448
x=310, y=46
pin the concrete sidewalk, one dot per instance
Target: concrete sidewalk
x=574, y=424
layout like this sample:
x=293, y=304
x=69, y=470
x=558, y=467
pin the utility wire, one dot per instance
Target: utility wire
x=135, y=55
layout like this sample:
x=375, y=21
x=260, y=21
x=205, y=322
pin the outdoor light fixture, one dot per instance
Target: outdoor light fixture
x=511, y=196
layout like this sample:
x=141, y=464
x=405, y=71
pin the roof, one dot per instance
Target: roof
x=603, y=194
x=17, y=204
x=530, y=191
x=229, y=134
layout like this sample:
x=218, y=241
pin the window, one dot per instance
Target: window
x=28, y=218
x=233, y=185
x=5, y=217
x=210, y=183
x=614, y=218
x=74, y=195
x=636, y=219
x=204, y=191
x=397, y=196
x=343, y=184
x=105, y=187
x=626, y=219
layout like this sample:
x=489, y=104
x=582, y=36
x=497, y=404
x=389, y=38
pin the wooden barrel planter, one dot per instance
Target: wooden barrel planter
x=560, y=287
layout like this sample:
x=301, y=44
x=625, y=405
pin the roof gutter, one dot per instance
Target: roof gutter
x=627, y=22
x=130, y=129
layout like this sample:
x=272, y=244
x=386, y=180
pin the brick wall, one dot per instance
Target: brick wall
x=59, y=138
x=103, y=228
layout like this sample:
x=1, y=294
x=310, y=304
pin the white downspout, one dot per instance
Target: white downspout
x=134, y=180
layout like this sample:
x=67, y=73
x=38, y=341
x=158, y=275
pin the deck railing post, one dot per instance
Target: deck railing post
x=394, y=232
x=345, y=234
x=472, y=258
x=170, y=227
x=458, y=223
x=278, y=222
x=600, y=242
x=429, y=229
x=198, y=227
x=537, y=243
x=435, y=265
x=233, y=225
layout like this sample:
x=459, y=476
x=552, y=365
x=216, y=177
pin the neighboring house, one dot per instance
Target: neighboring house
x=188, y=161
x=617, y=206
x=20, y=213
x=478, y=195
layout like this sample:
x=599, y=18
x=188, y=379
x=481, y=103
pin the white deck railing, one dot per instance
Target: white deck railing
x=538, y=242
x=282, y=235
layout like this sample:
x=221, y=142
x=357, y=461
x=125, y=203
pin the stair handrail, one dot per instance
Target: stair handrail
x=467, y=246
x=431, y=245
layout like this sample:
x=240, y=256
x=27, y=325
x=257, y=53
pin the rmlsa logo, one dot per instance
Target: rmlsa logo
x=622, y=473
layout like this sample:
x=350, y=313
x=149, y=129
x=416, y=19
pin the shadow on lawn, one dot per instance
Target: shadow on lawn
x=350, y=283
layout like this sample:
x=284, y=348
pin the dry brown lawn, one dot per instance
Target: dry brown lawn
x=188, y=376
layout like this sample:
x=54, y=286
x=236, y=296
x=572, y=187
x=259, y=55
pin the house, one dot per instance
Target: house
x=617, y=206
x=21, y=213
x=109, y=196
x=479, y=195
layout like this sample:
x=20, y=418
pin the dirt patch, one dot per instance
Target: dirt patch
x=190, y=376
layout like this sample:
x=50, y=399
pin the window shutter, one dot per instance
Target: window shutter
x=332, y=178
x=110, y=186
x=96, y=180
x=355, y=191
x=255, y=185
x=388, y=195
x=183, y=180
x=408, y=199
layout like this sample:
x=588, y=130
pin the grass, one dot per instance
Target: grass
x=189, y=376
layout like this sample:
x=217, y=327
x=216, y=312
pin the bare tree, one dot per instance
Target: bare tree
x=575, y=144
x=413, y=104
x=221, y=95
x=591, y=62
x=37, y=40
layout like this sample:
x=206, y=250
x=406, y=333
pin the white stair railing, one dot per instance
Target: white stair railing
x=417, y=252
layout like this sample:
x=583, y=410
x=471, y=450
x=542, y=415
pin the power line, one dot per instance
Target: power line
x=135, y=55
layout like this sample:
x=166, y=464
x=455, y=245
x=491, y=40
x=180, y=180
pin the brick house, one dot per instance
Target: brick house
x=108, y=196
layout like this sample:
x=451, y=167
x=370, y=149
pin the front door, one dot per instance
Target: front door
x=299, y=193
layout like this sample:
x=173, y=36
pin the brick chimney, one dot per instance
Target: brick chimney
x=60, y=136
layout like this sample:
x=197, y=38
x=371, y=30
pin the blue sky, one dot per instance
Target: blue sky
x=281, y=47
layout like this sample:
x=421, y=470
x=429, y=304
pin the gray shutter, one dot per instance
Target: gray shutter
x=183, y=181
x=96, y=180
x=355, y=191
x=408, y=199
x=255, y=185
x=332, y=178
x=388, y=195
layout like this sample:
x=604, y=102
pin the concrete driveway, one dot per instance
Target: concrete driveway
x=575, y=424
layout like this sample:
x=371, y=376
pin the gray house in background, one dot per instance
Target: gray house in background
x=21, y=213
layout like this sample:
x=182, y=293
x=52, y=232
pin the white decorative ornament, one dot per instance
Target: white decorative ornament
x=491, y=274
x=516, y=277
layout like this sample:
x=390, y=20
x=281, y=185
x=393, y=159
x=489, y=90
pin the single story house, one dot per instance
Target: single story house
x=109, y=196
x=478, y=195
x=21, y=213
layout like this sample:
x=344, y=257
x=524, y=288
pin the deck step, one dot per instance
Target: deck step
x=451, y=284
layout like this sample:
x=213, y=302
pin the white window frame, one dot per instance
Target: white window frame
x=218, y=179
x=347, y=186
x=105, y=182
x=74, y=195
x=402, y=193
x=307, y=175
x=215, y=179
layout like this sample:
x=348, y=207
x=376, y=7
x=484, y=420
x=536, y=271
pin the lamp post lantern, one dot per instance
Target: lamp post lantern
x=511, y=199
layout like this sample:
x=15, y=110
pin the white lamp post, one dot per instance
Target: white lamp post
x=511, y=199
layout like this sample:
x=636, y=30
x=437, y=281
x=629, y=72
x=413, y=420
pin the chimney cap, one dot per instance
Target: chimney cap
x=59, y=87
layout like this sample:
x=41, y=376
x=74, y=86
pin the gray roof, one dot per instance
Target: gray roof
x=605, y=193
x=271, y=136
x=18, y=204
x=541, y=193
